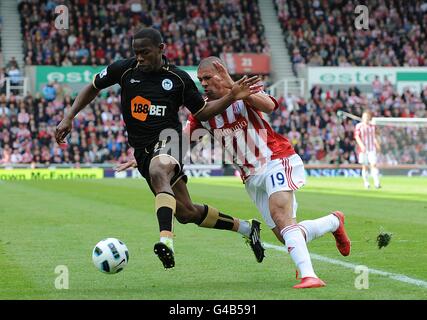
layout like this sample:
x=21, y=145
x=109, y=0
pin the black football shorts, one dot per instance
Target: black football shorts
x=173, y=150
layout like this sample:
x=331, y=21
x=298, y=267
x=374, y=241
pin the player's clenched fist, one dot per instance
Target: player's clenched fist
x=63, y=129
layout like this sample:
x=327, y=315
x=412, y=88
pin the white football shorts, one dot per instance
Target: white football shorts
x=285, y=174
x=366, y=158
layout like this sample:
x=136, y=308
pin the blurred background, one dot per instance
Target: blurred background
x=313, y=58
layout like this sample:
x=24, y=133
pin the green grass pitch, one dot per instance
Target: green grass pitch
x=44, y=224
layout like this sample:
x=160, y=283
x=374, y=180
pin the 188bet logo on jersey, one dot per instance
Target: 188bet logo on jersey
x=141, y=108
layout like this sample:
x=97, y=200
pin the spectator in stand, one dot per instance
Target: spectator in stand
x=3, y=75
x=49, y=91
x=15, y=75
x=322, y=33
x=318, y=115
x=377, y=87
x=12, y=63
x=193, y=30
x=6, y=155
x=16, y=157
x=27, y=125
x=4, y=110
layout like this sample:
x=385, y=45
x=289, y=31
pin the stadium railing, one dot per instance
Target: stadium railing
x=285, y=86
x=22, y=87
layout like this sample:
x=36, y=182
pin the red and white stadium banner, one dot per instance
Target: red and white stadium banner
x=247, y=63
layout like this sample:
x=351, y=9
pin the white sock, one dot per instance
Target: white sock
x=244, y=228
x=316, y=228
x=167, y=241
x=365, y=176
x=298, y=251
x=376, y=175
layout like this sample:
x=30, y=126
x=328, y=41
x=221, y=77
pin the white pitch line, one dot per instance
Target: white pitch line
x=394, y=276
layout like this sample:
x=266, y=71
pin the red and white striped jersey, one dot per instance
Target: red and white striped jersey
x=366, y=133
x=246, y=137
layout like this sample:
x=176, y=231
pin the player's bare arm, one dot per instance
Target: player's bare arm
x=360, y=143
x=240, y=90
x=260, y=100
x=126, y=165
x=86, y=96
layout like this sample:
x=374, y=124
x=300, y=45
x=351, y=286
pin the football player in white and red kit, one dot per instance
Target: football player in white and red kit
x=269, y=166
x=367, y=147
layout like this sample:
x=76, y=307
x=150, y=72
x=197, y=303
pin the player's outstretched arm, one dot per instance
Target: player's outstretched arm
x=260, y=100
x=126, y=165
x=82, y=100
x=240, y=90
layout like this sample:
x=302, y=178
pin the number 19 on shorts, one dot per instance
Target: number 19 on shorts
x=277, y=179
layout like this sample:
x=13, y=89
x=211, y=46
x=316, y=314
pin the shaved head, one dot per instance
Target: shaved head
x=210, y=78
x=208, y=62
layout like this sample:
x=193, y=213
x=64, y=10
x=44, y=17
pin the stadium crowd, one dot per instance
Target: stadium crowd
x=320, y=136
x=322, y=33
x=192, y=30
x=27, y=128
x=317, y=33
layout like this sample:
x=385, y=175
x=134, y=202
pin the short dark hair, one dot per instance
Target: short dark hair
x=149, y=33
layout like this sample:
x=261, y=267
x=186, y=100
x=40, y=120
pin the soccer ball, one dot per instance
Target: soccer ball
x=110, y=255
